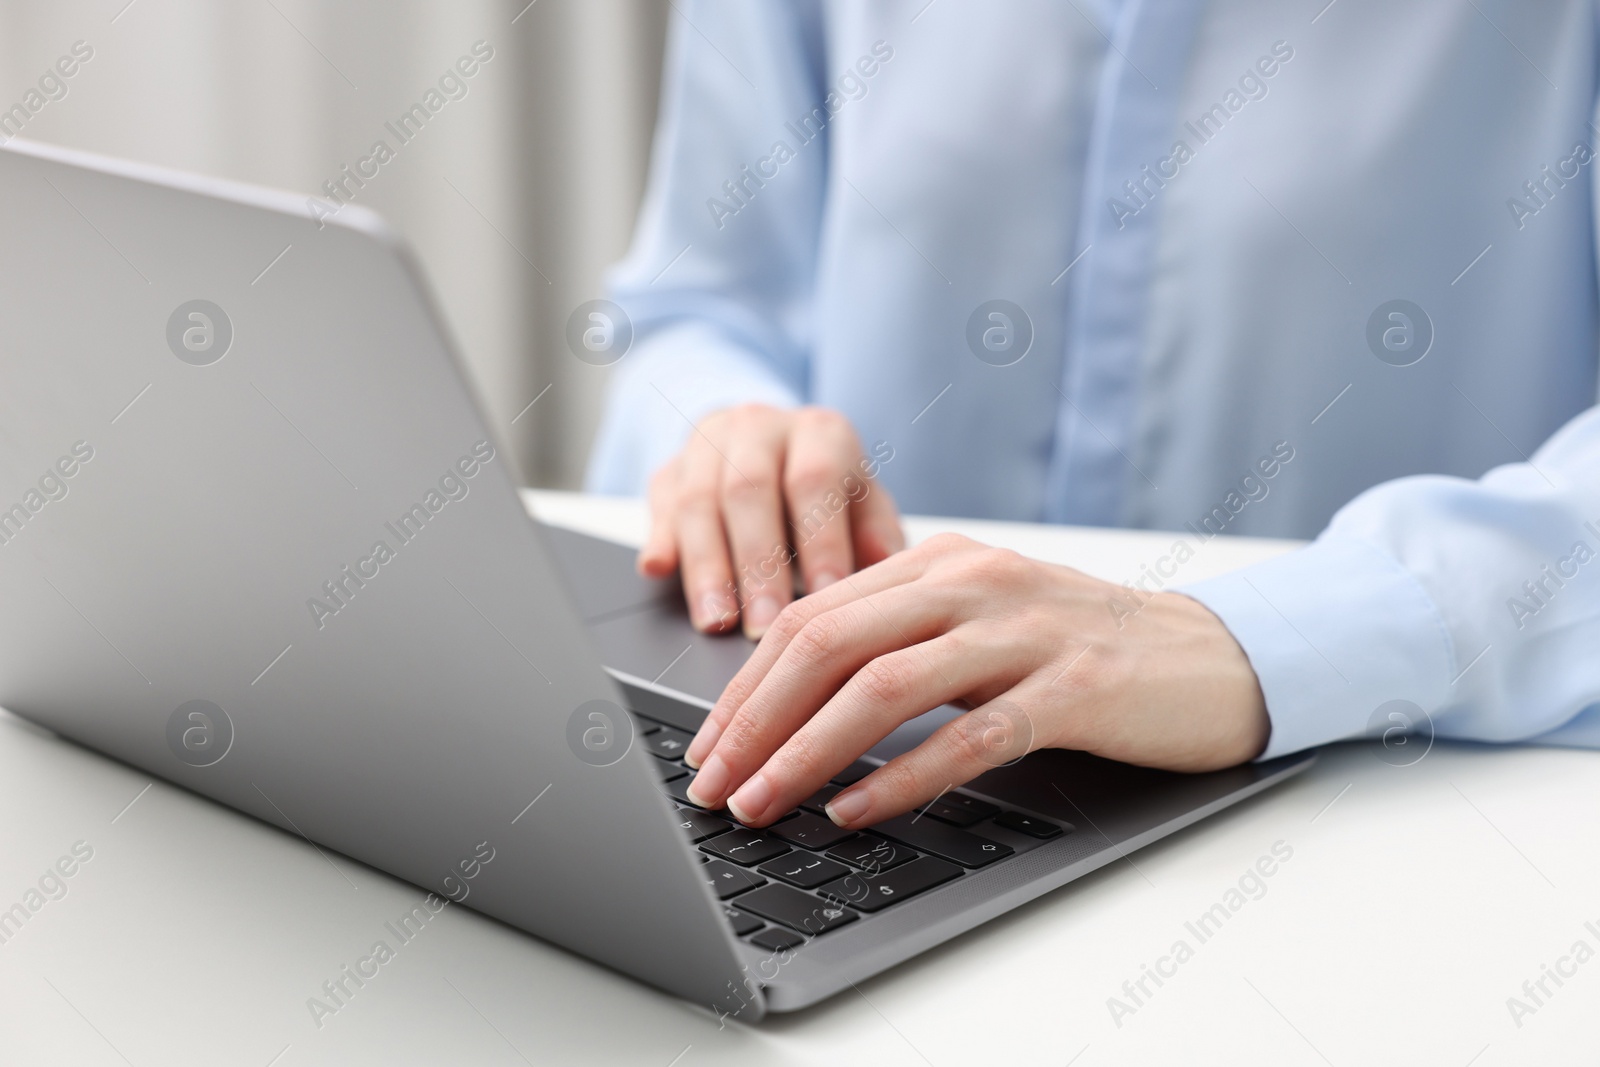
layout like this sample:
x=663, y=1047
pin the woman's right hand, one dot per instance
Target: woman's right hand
x=755, y=490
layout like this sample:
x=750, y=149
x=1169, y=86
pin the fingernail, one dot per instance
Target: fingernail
x=703, y=743
x=706, y=788
x=822, y=579
x=848, y=808
x=758, y=615
x=751, y=800
x=716, y=608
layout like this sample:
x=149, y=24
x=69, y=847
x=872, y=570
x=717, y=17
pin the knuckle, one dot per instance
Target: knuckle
x=820, y=640
x=899, y=777
x=957, y=643
x=998, y=566
x=802, y=756
x=791, y=619
x=808, y=477
x=959, y=744
x=698, y=496
x=747, y=481
x=747, y=416
x=741, y=737
x=942, y=544
x=886, y=681
x=989, y=736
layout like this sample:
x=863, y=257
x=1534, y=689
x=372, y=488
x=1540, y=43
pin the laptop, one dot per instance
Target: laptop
x=257, y=539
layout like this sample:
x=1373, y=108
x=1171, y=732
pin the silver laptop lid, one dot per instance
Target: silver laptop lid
x=256, y=539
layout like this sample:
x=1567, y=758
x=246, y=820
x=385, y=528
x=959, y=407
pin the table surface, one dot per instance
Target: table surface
x=1414, y=904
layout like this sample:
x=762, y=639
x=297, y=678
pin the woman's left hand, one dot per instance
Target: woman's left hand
x=1044, y=655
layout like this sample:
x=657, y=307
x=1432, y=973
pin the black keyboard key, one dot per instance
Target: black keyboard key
x=678, y=789
x=803, y=869
x=745, y=846
x=775, y=940
x=770, y=828
x=960, y=810
x=810, y=831
x=872, y=853
x=946, y=842
x=725, y=879
x=742, y=922
x=700, y=825
x=1031, y=825
x=670, y=772
x=667, y=742
x=854, y=773
x=798, y=911
x=818, y=801
x=873, y=892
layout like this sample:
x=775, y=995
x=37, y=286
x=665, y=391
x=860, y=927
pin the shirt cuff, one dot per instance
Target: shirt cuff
x=1334, y=631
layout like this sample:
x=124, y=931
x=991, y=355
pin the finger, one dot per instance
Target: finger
x=752, y=509
x=875, y=525
x=864, y=585
x=823, y=452
x=659, y=556
x=895, y=571
x=990, y=736
x=885, y=693
x=702, y=541
x=821, y=659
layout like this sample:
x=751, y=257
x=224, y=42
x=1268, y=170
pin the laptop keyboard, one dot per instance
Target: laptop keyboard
x=804, y=877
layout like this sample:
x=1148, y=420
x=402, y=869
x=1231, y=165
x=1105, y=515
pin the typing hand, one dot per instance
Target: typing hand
x=753, y=487
x=1034, y=649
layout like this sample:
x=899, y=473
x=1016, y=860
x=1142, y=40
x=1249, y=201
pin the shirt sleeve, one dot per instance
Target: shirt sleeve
x=1476, y=601
x=718, y=285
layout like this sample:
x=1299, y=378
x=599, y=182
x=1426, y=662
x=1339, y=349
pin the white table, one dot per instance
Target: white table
x=1417, y=900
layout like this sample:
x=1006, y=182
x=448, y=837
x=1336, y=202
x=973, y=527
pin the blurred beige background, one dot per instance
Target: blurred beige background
x=515, y=197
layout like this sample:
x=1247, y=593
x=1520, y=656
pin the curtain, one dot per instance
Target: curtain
x=515, y=194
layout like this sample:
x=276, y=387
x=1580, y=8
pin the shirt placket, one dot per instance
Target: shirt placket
x=1141, y=82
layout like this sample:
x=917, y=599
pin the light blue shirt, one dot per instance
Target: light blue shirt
x=1261, y=268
